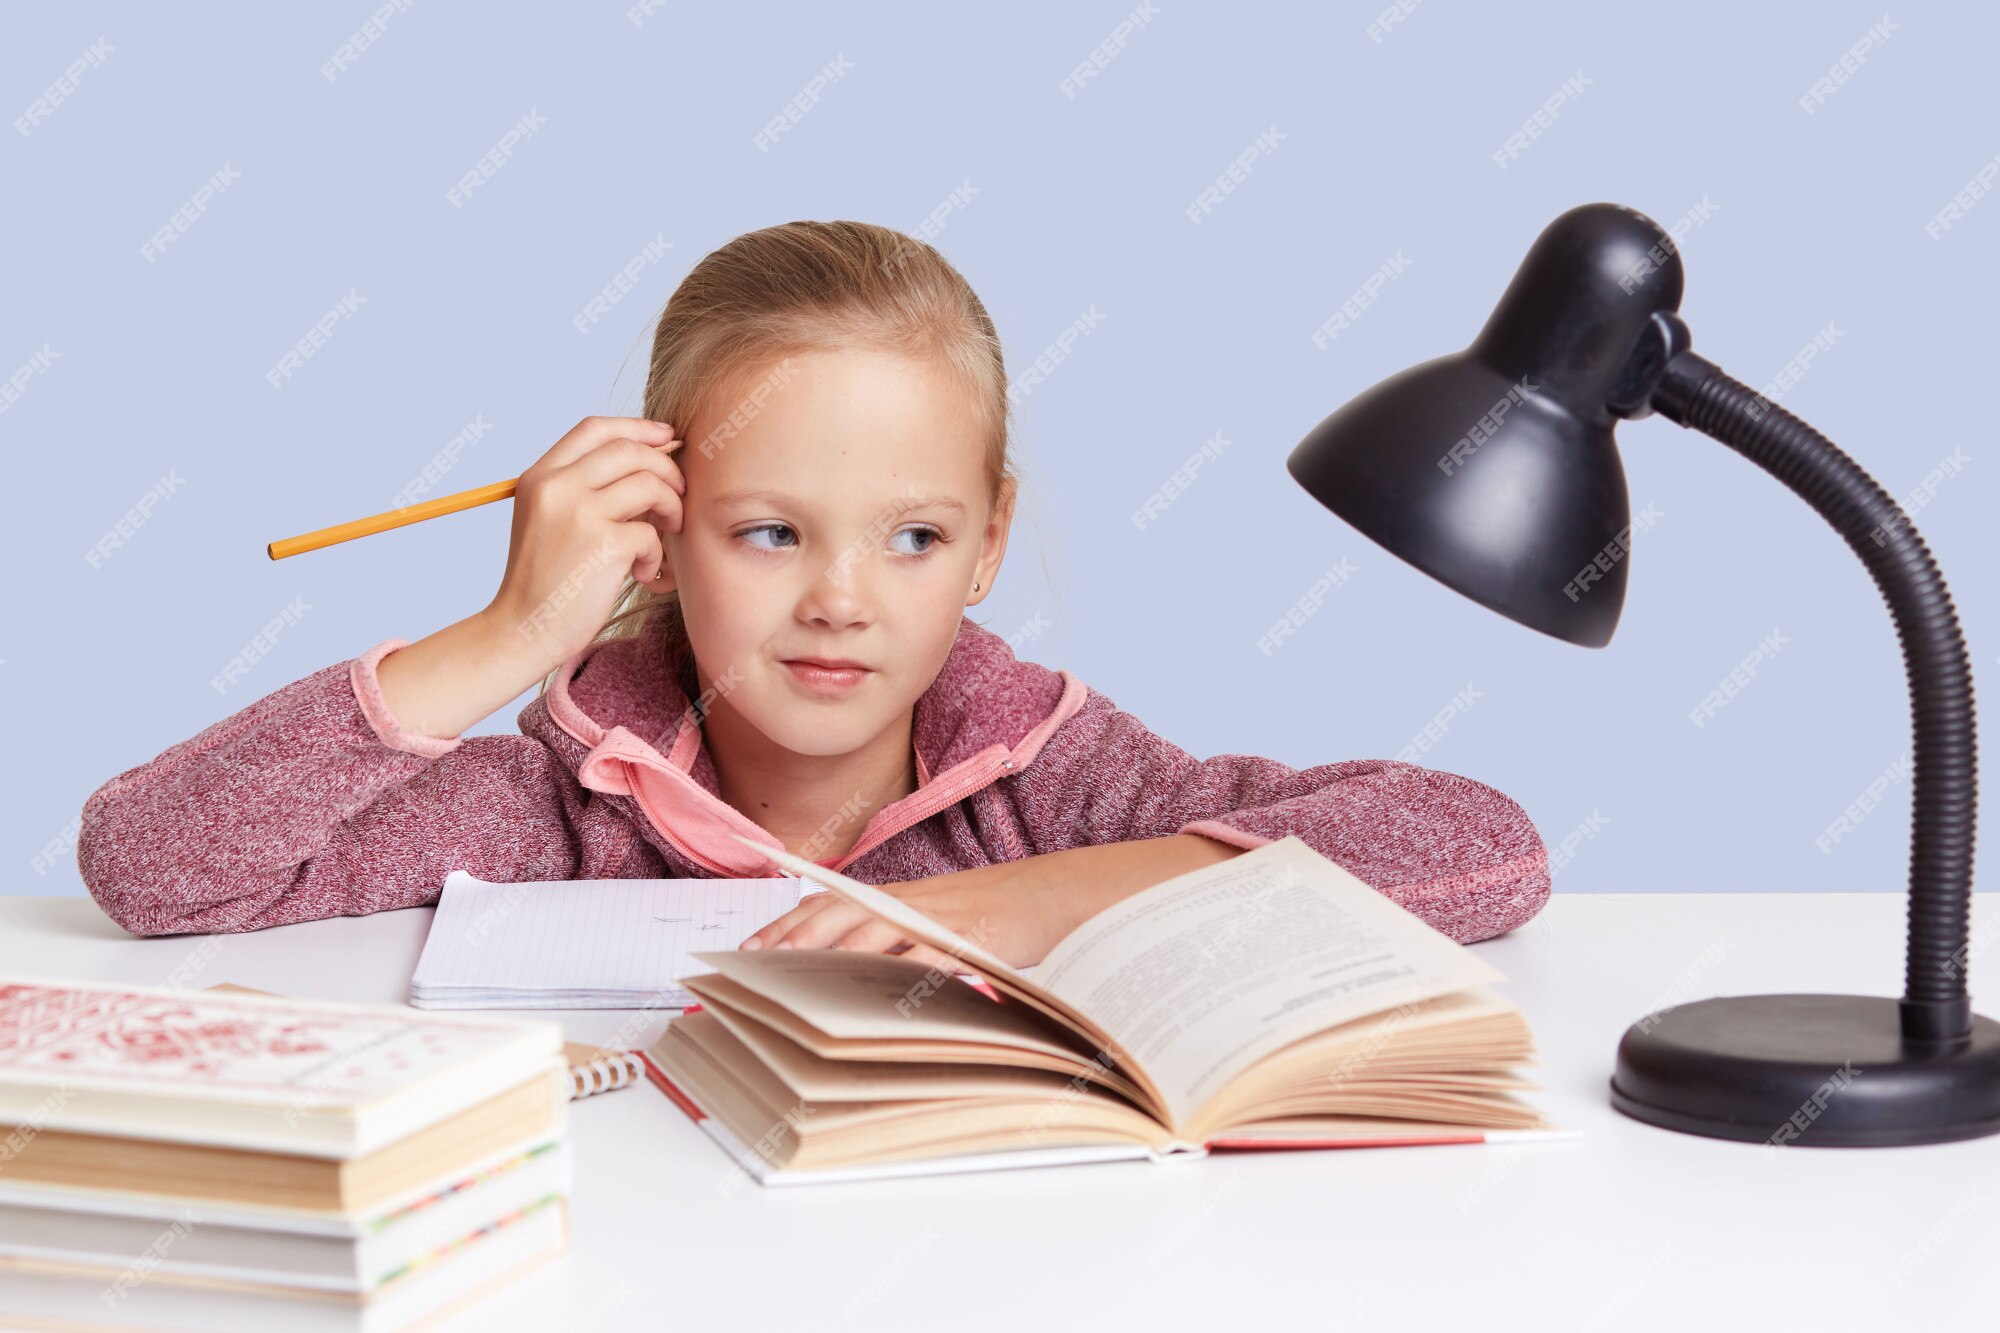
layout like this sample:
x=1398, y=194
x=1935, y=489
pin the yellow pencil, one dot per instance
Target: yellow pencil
x=394, y=518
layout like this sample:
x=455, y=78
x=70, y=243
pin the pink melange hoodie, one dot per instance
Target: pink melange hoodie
x=313, y=802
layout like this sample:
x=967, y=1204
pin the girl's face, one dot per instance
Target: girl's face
x=836, y=509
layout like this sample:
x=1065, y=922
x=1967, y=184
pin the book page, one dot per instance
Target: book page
x=1203, y=975
x=853, y=995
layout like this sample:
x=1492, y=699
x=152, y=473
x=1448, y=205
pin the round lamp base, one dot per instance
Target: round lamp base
x=1826, y=1071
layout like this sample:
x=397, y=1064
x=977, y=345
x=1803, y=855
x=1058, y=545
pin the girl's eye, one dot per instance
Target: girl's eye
x=931, y=535
x=787, y=529
x=779, y=528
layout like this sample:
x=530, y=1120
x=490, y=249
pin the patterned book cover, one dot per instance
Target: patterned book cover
x=238, y=1047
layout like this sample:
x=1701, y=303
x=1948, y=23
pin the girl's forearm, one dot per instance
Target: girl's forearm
x=464, y=673
x=1084, y=881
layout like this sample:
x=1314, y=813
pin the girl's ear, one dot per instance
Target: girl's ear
x=993, y=541
x=665, y=581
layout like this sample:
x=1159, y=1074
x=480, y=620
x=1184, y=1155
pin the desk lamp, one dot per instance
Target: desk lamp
x=1494, y=471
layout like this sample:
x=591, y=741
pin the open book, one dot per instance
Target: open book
x=1272, y=1000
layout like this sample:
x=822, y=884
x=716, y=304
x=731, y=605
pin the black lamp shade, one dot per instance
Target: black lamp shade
x=1494, y=469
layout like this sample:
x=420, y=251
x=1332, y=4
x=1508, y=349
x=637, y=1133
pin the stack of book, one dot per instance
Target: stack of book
x=209, y=1159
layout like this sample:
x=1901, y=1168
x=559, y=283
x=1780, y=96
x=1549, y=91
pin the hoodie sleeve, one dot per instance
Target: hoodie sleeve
x=1455, y=852
x=315, y=802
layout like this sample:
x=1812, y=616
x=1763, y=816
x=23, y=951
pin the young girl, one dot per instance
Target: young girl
x=755, y=624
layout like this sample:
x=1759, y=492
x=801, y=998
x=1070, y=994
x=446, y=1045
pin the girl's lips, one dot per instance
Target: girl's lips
x=824, y=680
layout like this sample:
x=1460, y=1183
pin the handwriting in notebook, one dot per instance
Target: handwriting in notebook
x=601, y=943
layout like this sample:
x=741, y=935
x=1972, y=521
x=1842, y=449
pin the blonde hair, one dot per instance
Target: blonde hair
x=805, y=287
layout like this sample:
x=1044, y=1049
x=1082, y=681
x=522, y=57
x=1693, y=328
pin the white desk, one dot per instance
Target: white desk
x=1630, y=1227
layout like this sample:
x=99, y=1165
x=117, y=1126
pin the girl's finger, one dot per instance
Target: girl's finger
x=767, y=935
x=618, y=459
x=823, y=927
x=871, y=936
x=591, y=432
x=638, y=494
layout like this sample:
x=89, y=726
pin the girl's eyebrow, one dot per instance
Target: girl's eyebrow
x=779, y=500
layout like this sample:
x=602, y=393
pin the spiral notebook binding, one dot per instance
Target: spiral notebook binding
x=604, y=1074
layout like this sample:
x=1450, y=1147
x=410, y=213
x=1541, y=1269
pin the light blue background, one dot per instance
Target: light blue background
x=1080, y=203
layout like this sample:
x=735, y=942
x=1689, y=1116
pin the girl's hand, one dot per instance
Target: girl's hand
x=587, y=513
x=997, y=907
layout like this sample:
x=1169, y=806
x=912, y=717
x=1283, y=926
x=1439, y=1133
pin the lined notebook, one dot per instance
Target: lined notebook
x=586, y=943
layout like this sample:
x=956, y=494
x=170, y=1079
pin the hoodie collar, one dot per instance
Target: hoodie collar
x=985, y=715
